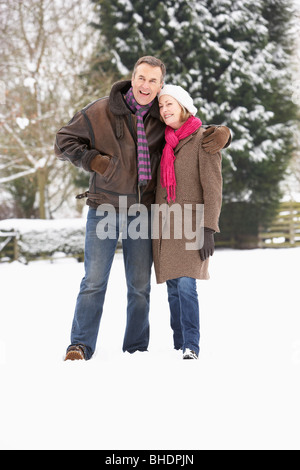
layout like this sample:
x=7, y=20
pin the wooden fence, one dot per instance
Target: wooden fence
x=285, y=229
x=42, y=240
x=9, y=245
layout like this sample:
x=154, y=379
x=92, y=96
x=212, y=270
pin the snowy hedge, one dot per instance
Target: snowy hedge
x=38, y=238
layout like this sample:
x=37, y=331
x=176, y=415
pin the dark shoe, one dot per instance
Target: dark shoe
x=75, y=353
x=189, y=354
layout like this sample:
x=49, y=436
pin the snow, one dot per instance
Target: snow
x=22, y=122
x=39, y=225
x=45, y=237
x=243, y=393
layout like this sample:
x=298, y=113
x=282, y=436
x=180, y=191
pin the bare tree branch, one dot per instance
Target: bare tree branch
x=17, y=175
x=44, y=46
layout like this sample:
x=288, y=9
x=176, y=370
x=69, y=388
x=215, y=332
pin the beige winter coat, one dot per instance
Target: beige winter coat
x=199, y=181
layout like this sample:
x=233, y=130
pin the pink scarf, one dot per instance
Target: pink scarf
x=168, y=179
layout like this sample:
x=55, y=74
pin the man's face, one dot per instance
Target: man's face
x=146, y=83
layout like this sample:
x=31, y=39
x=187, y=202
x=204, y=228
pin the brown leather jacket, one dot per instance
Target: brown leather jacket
x=108, y=127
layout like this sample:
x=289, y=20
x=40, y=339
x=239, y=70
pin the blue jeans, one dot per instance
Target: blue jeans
x=99, y=255
x=184, y=309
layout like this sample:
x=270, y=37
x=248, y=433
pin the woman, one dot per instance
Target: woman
x=187, y=176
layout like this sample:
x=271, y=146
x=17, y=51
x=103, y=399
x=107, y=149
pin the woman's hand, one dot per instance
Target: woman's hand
x=208, y=248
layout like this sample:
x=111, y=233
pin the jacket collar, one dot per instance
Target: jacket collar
x=186, y=140
x=117, y=104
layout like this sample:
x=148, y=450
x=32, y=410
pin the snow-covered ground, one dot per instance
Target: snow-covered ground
x=243, y=393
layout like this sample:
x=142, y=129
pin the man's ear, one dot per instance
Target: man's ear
x=162, y=85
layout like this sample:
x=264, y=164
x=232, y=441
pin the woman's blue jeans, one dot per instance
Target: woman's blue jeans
x=185, y=316
x=99, y=255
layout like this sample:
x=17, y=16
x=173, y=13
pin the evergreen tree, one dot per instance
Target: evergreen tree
x=233, y=57
x=129, y=30
x=253, y=98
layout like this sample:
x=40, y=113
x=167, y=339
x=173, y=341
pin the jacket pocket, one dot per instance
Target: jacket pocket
x=110, y=170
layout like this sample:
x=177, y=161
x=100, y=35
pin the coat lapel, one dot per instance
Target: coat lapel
x=185, y=141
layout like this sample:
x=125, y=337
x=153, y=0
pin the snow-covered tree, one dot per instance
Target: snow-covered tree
x=291, y=185
x=233, y=57
x=129, y=29
x=251, y=91
x=45, y=47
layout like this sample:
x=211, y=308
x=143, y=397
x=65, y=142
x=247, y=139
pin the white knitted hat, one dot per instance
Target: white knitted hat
x=181, y=96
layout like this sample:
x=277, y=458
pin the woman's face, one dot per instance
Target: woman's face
x=170, y=111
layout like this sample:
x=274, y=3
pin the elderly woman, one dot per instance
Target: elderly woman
x=187, y=176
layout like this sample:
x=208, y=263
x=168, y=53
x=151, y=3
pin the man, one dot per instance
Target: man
x=119, y=140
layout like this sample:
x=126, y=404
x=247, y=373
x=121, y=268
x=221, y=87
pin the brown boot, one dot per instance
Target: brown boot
x=75, y=353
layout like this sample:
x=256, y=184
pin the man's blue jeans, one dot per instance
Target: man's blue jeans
x=99, y=255
x=184, y=308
